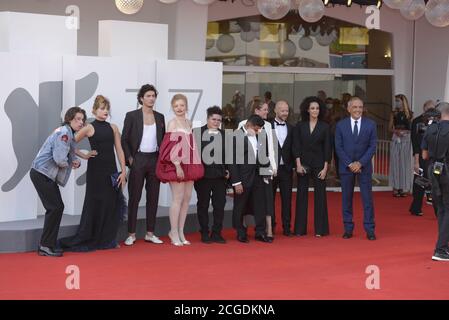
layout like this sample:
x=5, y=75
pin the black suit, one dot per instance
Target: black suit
x=247, y=169
x=284, y=177
x=213, y=182
x=143, y=168
x=313, y=149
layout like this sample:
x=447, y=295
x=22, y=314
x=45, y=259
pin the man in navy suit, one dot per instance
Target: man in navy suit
x=355, y=144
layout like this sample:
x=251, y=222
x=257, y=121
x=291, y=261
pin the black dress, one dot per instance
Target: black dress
x=100, y=217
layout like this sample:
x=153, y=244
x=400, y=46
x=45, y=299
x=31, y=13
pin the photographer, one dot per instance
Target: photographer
x=419, y=127
x=435, y=147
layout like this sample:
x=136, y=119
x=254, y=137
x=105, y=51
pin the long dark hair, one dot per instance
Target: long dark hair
x=305, y=104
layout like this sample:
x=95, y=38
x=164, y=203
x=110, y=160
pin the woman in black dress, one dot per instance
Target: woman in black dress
x=313, y=152
x=100, y=217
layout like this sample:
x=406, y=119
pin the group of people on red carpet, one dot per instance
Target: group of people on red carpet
x=254, y=160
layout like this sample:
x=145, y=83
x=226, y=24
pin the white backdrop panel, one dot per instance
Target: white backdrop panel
x=118, y=79
x=201, y=82
x=19, y=79
x=36, y=33
x=133, y=39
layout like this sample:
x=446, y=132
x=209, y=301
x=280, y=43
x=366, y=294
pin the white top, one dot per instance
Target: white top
x=149, y=139
x=281, y=133
x=253, y=141
x=359, y=124
x=269, y=131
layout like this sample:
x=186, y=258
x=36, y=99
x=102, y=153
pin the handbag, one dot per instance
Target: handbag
x=122, y=203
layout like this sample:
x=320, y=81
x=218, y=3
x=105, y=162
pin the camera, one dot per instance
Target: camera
x=429, y=117
x=438, y=168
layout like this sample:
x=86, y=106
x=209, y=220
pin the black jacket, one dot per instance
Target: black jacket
x=313, y=149
x=286, y=151
x=416, y=136
x=133, y=131
x=245, y=165
x=211, y=170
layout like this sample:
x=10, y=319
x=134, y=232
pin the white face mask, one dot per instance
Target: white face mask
x=398, y=104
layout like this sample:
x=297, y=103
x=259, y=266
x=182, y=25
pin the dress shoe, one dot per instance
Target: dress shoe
x=287, y=233
x=58, y=250
x=371, y=236
x=153, y=238
x=218, y=238
x=174, y=240
x=49, y=252
x=270, y=238
x=205, y=238
x=243, y=239
x=347, y=235
x=263, y=238
x=183, y=239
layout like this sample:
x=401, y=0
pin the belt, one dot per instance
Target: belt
x=148, y=153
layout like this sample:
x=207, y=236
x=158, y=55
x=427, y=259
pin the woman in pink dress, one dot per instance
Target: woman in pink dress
x=179, y=164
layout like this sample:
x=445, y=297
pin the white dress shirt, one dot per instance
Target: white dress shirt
x=359, y=124
x=281, y=134
x=253, y=141
x=271, y=154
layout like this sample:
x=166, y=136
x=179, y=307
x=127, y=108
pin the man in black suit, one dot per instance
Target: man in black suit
x=283, y=133
x=213, y=184
x=248, y=172
x=143, y=131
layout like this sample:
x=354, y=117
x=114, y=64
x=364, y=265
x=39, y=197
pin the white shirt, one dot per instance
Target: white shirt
x=149, y=139
x=253, y=141
x=271, y=154
x=359, y=124
x=281, y=134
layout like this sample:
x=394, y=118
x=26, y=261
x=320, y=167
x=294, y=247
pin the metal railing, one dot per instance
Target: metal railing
x=381, y=160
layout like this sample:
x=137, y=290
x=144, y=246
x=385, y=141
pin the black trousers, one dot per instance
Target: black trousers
x=418, y=192
x=320, y=202
x=255, y=192
x=143, y=170
x=442, y=203
x=50, y=196
x=284, y=180
x=207, y=189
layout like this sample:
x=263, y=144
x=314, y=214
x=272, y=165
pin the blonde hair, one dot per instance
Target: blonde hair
x=405, y=104
x=101, y=100
x=177, y=97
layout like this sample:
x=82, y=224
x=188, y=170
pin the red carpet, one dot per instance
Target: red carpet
x=290, y=268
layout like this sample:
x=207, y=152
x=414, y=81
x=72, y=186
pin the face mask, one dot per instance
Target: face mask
x=398, y=104
x=329, y=105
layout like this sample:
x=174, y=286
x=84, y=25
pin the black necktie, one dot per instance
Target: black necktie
x=356, y=129
x=279, y=123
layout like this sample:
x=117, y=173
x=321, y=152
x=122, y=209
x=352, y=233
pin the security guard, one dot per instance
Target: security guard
x=435, y=147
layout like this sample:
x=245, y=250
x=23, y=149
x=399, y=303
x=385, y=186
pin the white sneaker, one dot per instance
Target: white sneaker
x=153, y=239
x=130, y=241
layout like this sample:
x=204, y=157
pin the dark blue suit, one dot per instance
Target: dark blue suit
x=361, y=148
